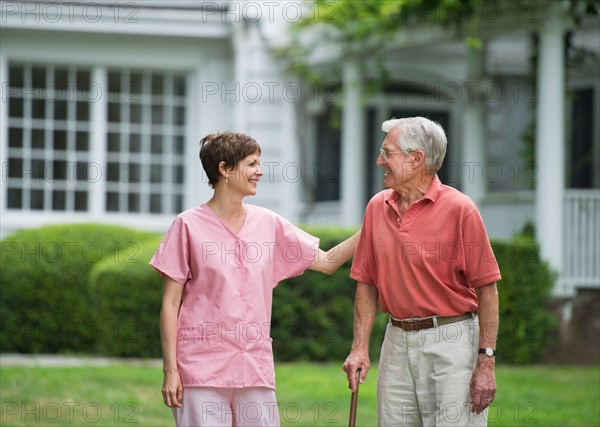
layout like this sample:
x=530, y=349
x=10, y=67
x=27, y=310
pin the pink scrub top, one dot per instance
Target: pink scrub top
x=223, y=337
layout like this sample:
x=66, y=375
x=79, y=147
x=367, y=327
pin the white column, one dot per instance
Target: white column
x=97, y=192
x=473, y=153
x=352, y=175
x=550, y=140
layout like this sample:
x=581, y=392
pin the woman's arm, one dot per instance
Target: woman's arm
x=172, y=389
x=328, y=262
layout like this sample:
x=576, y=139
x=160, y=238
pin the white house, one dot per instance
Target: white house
x=103, y=105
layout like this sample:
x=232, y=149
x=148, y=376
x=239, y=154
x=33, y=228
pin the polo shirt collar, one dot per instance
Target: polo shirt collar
x=432, y=192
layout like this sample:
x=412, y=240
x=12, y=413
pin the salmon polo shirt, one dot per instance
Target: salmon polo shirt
x=223, y=336
x=429, y=262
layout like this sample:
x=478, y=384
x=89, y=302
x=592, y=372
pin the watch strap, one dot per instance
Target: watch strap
x=487, y=351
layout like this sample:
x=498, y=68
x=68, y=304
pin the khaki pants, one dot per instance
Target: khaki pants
x=424, y=376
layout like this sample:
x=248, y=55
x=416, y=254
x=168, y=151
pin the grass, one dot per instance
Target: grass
x=308, y=395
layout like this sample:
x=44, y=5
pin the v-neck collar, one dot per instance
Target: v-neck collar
x=238, y=234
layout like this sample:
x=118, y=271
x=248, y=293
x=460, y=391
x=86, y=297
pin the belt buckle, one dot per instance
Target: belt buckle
x=410, y=325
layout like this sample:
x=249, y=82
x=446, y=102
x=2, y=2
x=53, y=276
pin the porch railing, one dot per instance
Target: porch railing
x=581, y=254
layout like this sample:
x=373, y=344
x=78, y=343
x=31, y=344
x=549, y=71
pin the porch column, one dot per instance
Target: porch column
x=473, y=154
x=352, y=185
x=550, y=139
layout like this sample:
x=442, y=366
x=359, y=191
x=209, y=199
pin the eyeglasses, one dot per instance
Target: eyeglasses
x=386, y=154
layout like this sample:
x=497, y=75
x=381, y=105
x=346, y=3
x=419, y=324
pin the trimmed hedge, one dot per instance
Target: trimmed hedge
x=45, y=304
x=128, y=294
x=526, y=325
x=98, y=294
x=313, y=314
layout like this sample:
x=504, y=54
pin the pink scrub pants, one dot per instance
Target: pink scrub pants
x=211, y=406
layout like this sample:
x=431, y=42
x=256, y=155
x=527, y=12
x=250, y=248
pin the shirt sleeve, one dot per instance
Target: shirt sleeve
x=295, y=250
x=363, y=262
x=172, y=258
x=481, y=267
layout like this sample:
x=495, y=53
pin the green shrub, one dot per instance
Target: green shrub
x=45, y=304
x=526, y=325
x=128, y=294
x=89, y=288
x=313, y=314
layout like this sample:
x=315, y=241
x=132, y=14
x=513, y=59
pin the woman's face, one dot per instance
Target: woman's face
x=245, y=176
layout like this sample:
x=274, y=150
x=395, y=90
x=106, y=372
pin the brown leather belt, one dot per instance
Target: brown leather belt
x=418, y=324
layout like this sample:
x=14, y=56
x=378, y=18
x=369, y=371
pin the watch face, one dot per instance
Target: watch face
x=489, y=352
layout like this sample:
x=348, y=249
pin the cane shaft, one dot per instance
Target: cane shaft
x=354, y=402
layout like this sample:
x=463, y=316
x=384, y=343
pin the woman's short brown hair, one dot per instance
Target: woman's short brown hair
x=228, y=147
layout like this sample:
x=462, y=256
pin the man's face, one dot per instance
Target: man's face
x=398, y=167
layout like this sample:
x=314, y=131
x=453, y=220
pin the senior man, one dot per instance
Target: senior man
x=425, y=257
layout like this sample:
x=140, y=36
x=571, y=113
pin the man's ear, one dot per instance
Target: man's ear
x=418, y=157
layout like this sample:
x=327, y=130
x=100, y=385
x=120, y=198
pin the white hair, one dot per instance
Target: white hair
x=419, y=133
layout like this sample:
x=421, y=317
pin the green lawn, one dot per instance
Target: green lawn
x=308, y=395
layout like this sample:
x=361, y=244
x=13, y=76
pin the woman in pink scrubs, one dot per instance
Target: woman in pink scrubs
x=220, y=262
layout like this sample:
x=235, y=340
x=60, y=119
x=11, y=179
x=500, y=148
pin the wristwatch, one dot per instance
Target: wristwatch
x=487, y=351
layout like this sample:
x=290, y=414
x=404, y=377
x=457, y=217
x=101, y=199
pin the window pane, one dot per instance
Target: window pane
x=60, y=140
x=38, y=108
x=177, y=202
x=135, y=84
x=81, y=201
x=156, y=144
x=157, y=114
x=179, y=86
x=15, y=107
x=112, y=172
x=177, y=174
x=132, y=171
x=133, y=202
x=60, y=110
x=178, y=145
x=15, y=198
x=38, y=169
x=37, y=199
x=114, y=112
x=135, y=143
x=155, y=173
x=59, y=170
x=15, y=137
x=61, y=79
x=155, y=203
x=113, y=143
x=15, y=76
x=83, y=171
x=83, y=81
x=179, y=116
x=135, y=113
x=112, y=202
x=157, y=85
x=59, y=200
x=82, y=142
x=15, y=167
x=37, y=138
x=38, y=78
x=114, y=82
x=83, y=111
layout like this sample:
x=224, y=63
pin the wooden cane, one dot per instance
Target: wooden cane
x=354, y=402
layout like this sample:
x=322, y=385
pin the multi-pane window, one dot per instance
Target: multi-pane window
x=50, y=128
x=145, y=141
x=48, y=137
